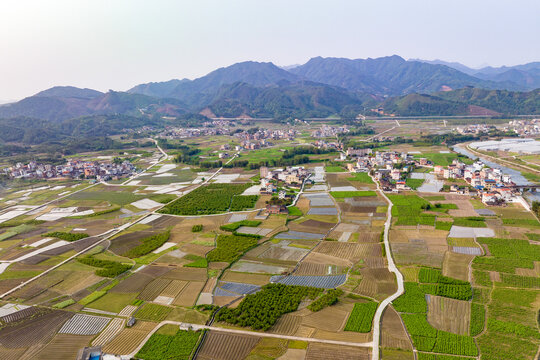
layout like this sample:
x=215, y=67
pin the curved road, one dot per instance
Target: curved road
x=393, y=268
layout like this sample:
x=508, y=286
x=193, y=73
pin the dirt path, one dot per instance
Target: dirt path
x=246, y=332
x=392, y=268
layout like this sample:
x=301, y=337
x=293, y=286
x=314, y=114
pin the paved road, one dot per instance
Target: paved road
x=393, y=268
x=246, y=332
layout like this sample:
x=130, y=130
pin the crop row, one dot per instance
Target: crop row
x=361, y=318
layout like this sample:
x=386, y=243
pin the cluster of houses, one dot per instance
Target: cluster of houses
x=267, y=134
x=474, y=129
x=182, y=133
x=524, y=127
x=329, y=131
x=271, y=180
x=492, y=185
x=326, y=145
x=73, y=169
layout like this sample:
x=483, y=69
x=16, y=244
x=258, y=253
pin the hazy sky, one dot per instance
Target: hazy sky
x=116, y=44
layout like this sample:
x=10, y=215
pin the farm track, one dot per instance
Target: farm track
x=392, y=268
x=251, y=333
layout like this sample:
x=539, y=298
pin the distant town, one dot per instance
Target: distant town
x=73, y=169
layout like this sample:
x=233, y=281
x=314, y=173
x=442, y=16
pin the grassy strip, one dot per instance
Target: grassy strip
x=478, y=318
x=66, y=236
x=521, y=222
x=294, y=211
x=443, y=225
x=349, y=194
x=109, y=268
x=64, y=304
x=470, y=221
x=92, y=297
x=235, y=225
x=330, y=298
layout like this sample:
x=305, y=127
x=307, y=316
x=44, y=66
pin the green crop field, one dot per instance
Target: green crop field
x=361, y=318
x=444, y=159
x=230, y=247
x=414, y=183
x=209, y=199
x=153, y=312
x=349, y=194
x=361, y=177
x=178, y=346
x=334, y=169
x=243, y=202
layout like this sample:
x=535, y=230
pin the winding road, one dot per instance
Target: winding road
x=392, y=268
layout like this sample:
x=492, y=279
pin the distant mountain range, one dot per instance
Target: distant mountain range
x=319, y=88
x=526, y=76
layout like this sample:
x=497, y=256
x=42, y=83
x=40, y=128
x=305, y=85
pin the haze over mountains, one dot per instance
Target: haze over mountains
x=318, y=88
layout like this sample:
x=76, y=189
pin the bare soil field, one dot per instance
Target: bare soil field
x=457, y=265
x=63, y=346
x=315, y=257
x=376, y=283
x=129, y=338
x=288, y=324
x=316, y=268
x=152, y=290
x=196, y=249
x=330, y=319
x=415, y=252
x=393, y=333
x=11, y=354
x=318, y=351
x=187, y=274
x=255, y=279
x=134, y=283
x=189, y=294
x=223, y=346
x=126, y=242
x=350, y=251
x=225, y=300
x=449, y=314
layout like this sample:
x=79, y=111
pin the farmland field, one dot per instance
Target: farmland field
x=209, y=199
x=361, y=318
x=223, y=346
x=178, y=346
